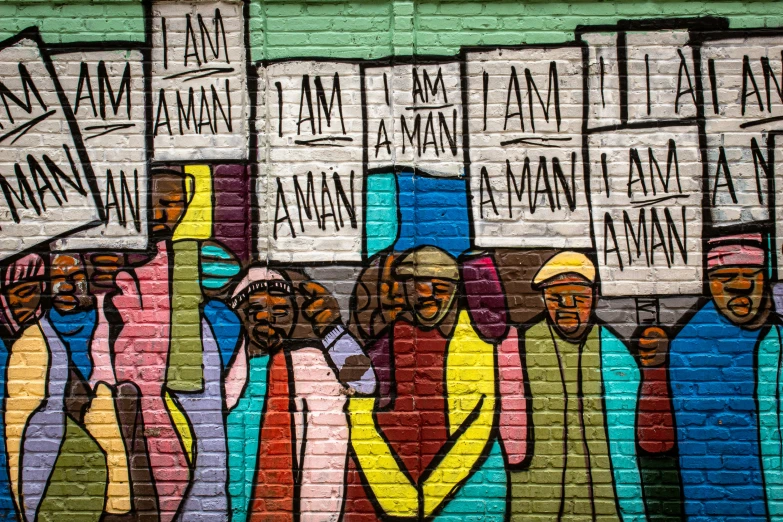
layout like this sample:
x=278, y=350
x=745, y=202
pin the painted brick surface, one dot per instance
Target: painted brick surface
x=357, y=261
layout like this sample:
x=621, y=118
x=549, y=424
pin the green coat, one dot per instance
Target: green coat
x=569, y=469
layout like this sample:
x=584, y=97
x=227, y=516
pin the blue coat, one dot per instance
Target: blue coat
x=726, y=390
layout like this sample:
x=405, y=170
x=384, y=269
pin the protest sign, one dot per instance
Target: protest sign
x=199, y=81
x=48, y=189
x=311, y=173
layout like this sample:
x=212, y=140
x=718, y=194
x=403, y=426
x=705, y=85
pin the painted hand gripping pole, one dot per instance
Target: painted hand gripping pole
x=526, y=282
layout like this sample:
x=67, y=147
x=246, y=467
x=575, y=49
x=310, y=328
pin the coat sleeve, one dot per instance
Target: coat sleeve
x=391, y=487
x=514, y=413
x=322, y=425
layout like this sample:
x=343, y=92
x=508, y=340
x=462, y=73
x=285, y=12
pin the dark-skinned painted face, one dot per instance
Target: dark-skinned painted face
x=429, y=298
x=268, y=318
x=70, y=291
x=569, y=307
x=24, y=299
x=169, y=201
x=738, y=292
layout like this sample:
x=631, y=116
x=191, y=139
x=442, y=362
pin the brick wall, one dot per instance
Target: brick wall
x=390, y=260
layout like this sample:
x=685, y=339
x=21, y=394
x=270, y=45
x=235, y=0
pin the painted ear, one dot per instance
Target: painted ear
x=485, y=297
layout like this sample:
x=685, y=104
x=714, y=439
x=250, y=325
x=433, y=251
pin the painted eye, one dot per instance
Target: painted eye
x=24, y=292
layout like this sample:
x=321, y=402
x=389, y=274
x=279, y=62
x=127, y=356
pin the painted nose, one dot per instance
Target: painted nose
x=740, y=285
x=263, y=315
x=65, y=287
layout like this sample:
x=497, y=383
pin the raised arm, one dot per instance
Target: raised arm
x=488, y=310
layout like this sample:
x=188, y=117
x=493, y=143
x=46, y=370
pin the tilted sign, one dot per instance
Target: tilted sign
x=105, y=89
x=48, y=186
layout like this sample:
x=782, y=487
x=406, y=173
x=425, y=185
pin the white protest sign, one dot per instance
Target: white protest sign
x=47, y=185
x=661, y=81
x=105, y=89
x=603, y=79
x=525, y=127
x=311, y=161
x=646, y=196
x=743, y=102
x=414, y=117
x=262, y=228
x=777, y=142
x=199, y=81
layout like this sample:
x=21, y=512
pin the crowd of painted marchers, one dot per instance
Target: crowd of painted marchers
x=187, y=384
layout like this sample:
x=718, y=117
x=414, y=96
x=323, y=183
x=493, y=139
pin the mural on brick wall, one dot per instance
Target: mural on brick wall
x=520, y=283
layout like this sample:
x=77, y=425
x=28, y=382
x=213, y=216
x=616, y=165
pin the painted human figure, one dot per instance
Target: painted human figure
x=567, y=474
x=35, y=388
x=283, y=467
x=42, y=412
x=725, y=374
x=141, y=348
x=117, y=403
x=25, y=362
x=200, y=269
x=74, y=317
x=421, y=442
x=91, y=409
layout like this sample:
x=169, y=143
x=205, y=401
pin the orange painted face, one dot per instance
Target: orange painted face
x=738, y=292
x=168, y=203
x=69, y=284
x=24, y=299
x=429, y=298
x=569, y=308
x=268, y=316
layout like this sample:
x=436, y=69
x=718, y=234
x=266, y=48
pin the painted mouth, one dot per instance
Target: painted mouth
x=427, y=310
x=66, y=303
x=567, y=321
x=567, y=317
x=740, y=306
x=23, y=317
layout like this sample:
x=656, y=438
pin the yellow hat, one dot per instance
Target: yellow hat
x=428, y=262
x=572, y=263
